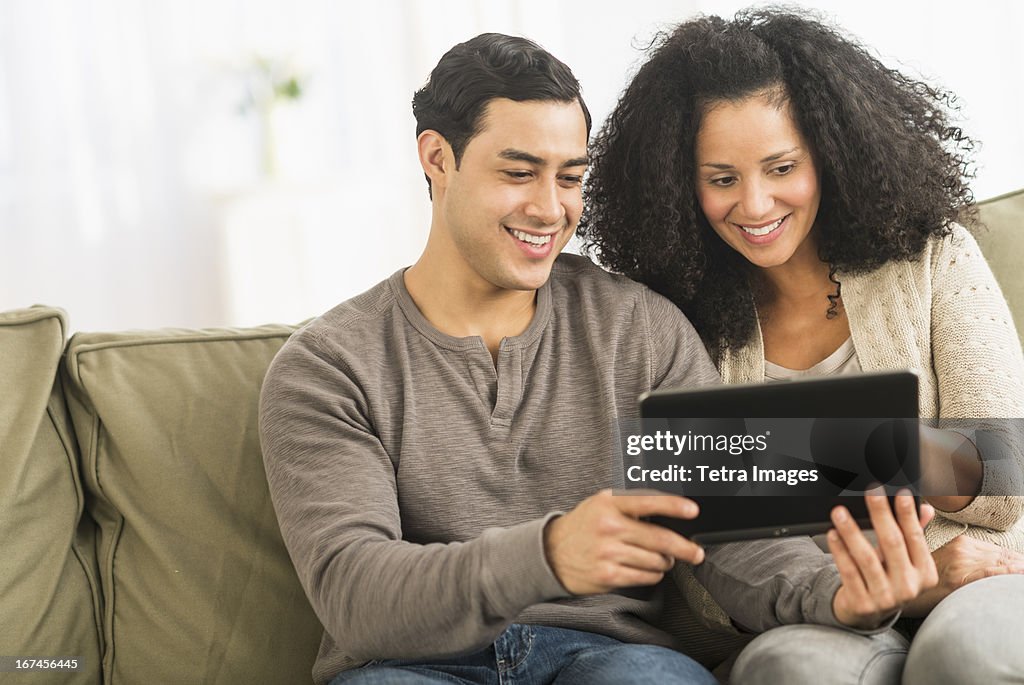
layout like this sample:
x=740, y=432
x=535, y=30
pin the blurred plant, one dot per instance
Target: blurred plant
x=270, y=82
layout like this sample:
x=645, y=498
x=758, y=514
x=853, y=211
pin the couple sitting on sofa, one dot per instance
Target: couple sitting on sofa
x=439, y=449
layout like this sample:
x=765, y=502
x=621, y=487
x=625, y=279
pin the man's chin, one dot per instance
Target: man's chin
x=527, y=281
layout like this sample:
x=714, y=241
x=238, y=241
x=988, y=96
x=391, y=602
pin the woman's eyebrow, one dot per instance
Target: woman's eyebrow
x=769, y=158
x=778, y=155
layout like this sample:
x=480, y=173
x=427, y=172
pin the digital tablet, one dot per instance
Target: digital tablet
x=774, y=459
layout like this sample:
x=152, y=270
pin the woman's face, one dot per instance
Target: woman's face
x=756, y=180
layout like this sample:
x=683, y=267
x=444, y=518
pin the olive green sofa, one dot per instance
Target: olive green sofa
x=138, y=533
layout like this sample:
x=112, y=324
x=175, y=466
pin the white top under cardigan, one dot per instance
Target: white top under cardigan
x=842, y=362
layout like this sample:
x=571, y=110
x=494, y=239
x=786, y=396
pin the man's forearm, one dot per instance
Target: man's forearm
x=394, y=599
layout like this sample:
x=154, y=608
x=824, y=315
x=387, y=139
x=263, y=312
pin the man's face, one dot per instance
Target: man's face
x=516, y=197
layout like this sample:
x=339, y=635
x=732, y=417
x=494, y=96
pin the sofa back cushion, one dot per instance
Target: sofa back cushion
x=197, y=583
x=1002, y=240
x=49, y=595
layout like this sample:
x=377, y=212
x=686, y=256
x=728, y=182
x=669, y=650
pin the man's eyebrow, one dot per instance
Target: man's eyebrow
x=519, y=156
x=769, y=158
x=514, y=155
x=576, y=161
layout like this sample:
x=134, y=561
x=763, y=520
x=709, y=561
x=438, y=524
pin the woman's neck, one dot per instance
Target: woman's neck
x=801, y=324
x=804, y=277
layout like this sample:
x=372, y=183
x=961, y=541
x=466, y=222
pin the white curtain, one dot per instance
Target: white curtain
x=135, y=185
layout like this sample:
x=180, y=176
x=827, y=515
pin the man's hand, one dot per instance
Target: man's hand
x=878, y=582
x=964, y=560
x=601, y=545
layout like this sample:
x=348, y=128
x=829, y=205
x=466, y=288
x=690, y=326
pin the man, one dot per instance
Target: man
x=422, y=438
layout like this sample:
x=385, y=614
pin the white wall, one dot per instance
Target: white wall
x=130, y=185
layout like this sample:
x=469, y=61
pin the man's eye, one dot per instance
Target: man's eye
x=518, y=175
x=572, y=180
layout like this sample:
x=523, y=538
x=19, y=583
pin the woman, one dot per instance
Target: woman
x=798, y=201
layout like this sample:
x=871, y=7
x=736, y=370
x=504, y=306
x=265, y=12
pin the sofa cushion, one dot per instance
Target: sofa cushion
x=1002, y=240
x=198, y=585
x=49, y=601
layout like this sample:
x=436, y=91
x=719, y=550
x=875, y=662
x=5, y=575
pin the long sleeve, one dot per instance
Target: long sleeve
x=677, y=354
x=979, y=369
x=412, y=473
x=763, y=584
x=335, y=493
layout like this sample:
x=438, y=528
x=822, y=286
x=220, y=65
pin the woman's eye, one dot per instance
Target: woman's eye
x=723, y=181
x=783, y=170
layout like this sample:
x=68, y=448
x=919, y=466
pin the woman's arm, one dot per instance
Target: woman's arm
x=952, y=471
x=980, y=372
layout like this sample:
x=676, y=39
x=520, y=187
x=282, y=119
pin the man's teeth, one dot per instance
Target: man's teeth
x=532, y=239
x=764, y=230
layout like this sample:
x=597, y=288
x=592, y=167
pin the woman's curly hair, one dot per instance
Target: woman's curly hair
x=893, y=167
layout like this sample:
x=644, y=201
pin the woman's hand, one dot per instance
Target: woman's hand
x=964, y=560
x=878, y=582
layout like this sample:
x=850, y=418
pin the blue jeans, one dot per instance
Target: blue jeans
x=538, y=654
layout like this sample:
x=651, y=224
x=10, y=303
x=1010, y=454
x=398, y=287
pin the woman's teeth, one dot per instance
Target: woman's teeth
x=764, y=230
x=532, y=239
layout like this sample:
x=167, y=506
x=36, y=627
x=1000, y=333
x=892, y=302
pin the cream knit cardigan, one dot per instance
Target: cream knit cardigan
x=943, y=316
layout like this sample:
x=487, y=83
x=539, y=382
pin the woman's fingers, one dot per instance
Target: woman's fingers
x=862, y=553
x=912, y=525
x=878, y=581
x=892, y=540
x=848, y=570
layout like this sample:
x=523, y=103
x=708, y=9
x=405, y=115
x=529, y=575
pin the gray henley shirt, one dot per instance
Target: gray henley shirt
x=412, y=474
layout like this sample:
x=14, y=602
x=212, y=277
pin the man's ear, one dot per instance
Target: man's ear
x=436, y=157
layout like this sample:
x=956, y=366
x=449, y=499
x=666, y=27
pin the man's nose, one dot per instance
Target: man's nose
x=545, y=204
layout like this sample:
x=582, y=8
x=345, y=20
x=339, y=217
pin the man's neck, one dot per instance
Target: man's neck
x=463, y=305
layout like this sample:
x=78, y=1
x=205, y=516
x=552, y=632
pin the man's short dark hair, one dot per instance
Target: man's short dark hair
x=473, y=73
